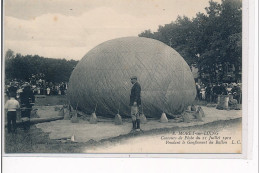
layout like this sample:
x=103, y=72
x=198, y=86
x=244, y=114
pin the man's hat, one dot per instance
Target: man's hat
x=133, y=77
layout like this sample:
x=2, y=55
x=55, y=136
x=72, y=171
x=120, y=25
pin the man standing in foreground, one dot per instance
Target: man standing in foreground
x=11, y=107
x=27, y=100
x=135, y=102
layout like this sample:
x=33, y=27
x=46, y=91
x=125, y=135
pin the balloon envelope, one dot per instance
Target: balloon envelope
x=102, y=78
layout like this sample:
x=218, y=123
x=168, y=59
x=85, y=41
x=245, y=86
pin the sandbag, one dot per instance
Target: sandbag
x=73, y=138
x=188, y=108
x=66, y=114
x=223, y=102
x=200, y=110
x=74, y=118
x=93, y=118
x=143, y=119
x=118, y=120
x=232, y=103
x=193, y=108
x=198, y=115
x=164, y=118
x=34, y=114
x=61, y=112
x=186, y=117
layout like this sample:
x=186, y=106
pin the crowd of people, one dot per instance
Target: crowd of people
x=21, y=96
x=38, y=87
x=22, y=101
x=24, y=92
x=209, y=92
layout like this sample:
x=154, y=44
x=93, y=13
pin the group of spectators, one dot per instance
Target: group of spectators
x=46, y=88
x=39, y=87
x=210, y=92
x=21, y=96
x=22, y=101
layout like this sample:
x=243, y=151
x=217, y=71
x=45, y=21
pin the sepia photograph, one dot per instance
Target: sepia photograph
x=122, y=77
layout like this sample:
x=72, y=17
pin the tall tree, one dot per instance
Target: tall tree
x=211, y=41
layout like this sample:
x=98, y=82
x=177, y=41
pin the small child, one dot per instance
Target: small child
x=11, y=106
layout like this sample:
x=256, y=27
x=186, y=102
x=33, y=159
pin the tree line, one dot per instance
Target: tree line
x=211, y=41
x=22, y=67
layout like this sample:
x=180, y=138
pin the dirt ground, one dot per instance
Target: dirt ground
x=53, y=137
x=84, y=131
x=151, y=142
x=36, y=141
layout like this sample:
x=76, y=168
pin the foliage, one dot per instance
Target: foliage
x=23, y=67
x=209, y=41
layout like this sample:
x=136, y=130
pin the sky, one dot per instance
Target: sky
x=70, y=28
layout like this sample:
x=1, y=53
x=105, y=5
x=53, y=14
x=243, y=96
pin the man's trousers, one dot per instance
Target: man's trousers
x=135, y=114
x=11, y=121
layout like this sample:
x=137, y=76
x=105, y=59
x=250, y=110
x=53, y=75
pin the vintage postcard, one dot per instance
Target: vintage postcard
x=123, y=77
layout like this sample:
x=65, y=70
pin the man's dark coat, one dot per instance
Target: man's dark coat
x=135, y=94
